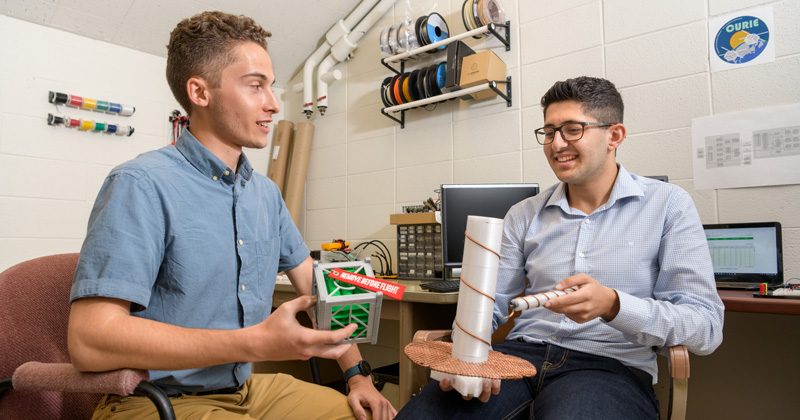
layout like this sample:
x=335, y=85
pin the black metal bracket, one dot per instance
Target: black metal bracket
x=505, y=39
x=507, y=94
x=401, y=121
x=402, y=66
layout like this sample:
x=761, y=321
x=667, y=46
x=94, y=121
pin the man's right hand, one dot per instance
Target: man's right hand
x=281, y=337
x=490, y=387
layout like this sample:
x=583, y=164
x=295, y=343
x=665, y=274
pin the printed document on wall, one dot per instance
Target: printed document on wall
x=747, y=149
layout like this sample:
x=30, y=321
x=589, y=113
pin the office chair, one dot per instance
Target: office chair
x=40, y=381
x=678, y=366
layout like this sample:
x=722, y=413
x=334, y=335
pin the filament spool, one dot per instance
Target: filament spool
x=384, y=42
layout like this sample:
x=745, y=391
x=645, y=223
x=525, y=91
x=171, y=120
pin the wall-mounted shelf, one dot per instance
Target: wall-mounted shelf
x=491, y=28
x=445, y=96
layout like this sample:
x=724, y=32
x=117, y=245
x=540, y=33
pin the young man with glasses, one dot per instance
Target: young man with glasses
x=635, y=248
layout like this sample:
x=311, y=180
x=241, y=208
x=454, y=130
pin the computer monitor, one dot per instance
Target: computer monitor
x=745, y=255
x=462, y=200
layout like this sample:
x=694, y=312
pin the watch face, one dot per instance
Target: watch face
x=366, y=369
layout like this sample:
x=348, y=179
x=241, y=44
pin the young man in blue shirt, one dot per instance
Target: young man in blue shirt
x=635, y=248
x=178, y=268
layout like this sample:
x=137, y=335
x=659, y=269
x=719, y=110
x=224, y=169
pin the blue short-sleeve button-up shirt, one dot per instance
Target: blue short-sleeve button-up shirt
x=189, y=242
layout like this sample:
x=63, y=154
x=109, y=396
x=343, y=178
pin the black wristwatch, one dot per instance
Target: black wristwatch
x=362, y=368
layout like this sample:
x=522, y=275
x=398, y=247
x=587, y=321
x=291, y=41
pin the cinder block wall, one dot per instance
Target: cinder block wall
x=364, y=167
x=51, y=175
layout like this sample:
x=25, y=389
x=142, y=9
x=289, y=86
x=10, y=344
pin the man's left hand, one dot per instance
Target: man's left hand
x=590, y=301
x=363, y=394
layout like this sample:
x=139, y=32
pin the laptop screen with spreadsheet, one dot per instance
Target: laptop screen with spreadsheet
x=746, y=254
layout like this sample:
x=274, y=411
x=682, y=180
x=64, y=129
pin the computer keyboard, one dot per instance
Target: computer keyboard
x=441, y=286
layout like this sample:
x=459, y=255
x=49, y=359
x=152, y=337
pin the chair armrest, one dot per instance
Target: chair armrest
x=63, y=377
x=423, y=373
x=430, y=335
x=679, y=362
x=678, y=382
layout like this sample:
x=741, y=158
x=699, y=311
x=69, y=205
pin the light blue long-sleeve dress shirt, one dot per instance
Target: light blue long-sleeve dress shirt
x=189, y=242
x=646, y=242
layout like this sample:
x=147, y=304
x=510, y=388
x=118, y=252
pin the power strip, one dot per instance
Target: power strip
x=787, y=293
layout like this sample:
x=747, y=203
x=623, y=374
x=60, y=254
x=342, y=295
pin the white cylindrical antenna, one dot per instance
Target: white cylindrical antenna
x=537, y=300
x=473, y=333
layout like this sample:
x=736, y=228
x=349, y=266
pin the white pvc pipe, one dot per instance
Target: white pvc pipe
x=308, y=72
x=358, y=13
x=343, y=47
x=332, y=76
x=322, y=85
x=338, y=30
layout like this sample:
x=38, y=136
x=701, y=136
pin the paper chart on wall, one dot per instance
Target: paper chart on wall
x=747, y=149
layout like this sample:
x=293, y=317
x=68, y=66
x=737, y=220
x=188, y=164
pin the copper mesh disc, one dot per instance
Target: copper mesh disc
x=437, y=355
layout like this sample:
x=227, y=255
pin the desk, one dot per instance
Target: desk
x=757, y=360
x=424, y=310
x=744, y=301
x=419, y=310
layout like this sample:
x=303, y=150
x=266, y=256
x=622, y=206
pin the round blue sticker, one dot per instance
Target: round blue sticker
x=742, y=39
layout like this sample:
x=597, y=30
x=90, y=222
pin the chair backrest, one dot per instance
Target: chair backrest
x=34, y=313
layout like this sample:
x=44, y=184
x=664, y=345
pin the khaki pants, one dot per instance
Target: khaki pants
x=263, y=396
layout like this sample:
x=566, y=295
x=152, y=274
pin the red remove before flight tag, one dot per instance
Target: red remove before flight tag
x=393, y=290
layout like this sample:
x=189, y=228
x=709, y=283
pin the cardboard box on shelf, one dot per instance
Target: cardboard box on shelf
x=482, y=68
x=412, y=218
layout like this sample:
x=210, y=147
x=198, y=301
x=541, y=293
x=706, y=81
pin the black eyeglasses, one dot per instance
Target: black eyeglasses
x=572, y=131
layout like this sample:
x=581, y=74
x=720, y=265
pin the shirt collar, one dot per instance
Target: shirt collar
x=209, y=164
x=624, y=186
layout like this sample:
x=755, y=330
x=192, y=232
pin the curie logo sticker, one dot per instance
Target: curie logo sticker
x=741, y=39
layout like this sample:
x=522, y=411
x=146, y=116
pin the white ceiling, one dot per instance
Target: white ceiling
x=297, y=26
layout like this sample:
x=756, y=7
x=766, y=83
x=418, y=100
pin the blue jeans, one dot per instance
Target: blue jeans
x=569, y=385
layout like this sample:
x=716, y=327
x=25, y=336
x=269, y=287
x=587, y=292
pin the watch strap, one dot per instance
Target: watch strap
x=353, y=371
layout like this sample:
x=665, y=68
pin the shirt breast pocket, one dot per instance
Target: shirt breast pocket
x=267, y=254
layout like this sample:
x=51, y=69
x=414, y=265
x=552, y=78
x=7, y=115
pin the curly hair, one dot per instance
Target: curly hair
x=202, y=46
x=599, y=97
